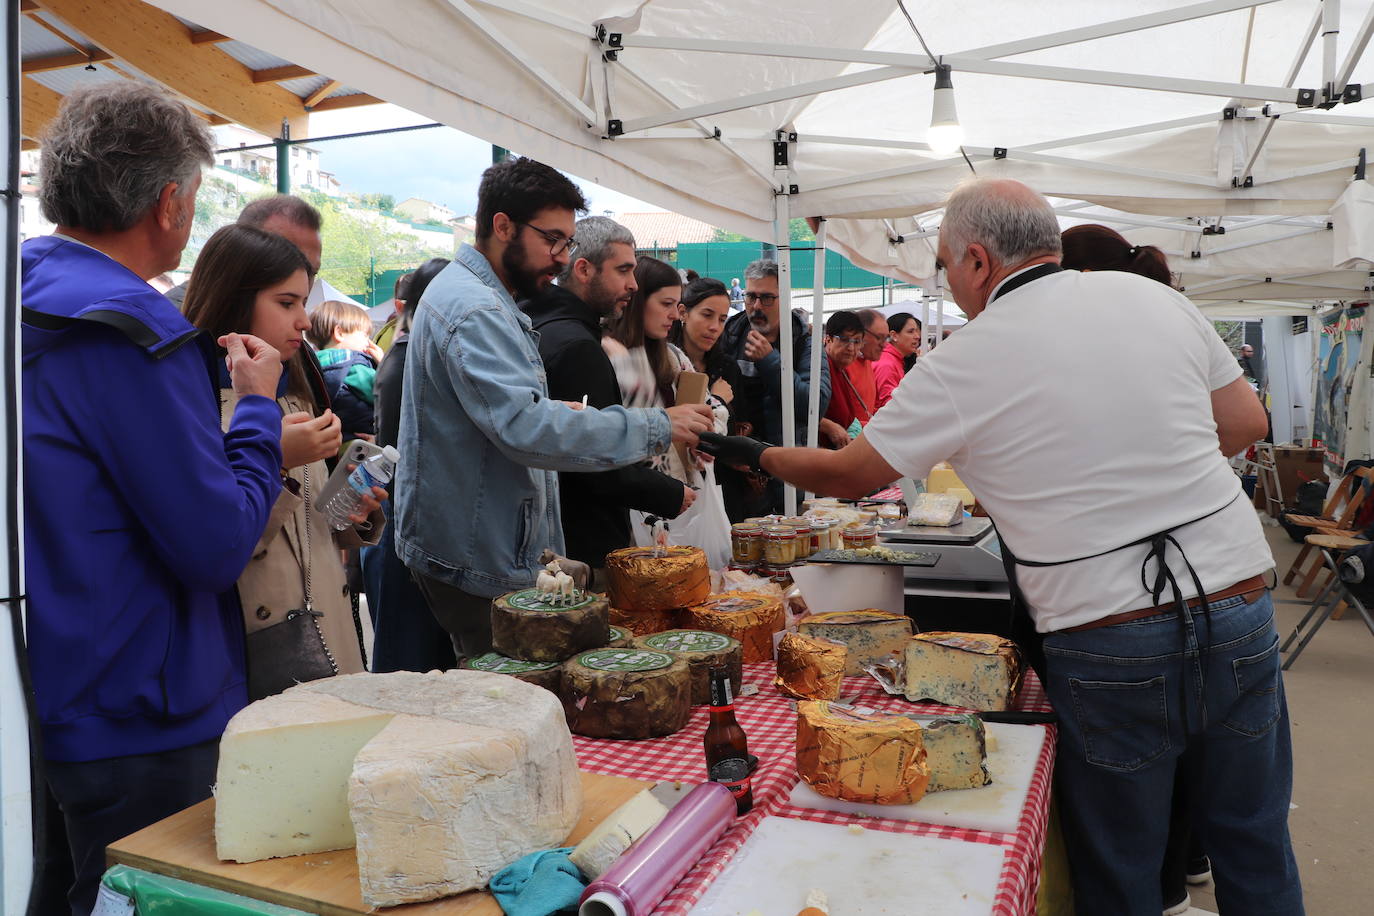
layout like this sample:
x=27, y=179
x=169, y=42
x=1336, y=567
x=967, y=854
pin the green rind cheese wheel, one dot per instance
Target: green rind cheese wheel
x=703, y=651
x=525, y=627
x=548, y=675
x=620, y=638
x=626, y=693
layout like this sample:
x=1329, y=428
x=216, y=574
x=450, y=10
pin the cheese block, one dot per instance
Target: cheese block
x=703, y=650
x=872, y=637
x=642, y=623
x=440, y=779
x=543, y=674
x=626, y=693
x=532, y=626
x=810, y=668
x=619, y=638
x=614, y=835
x=973, y=670
x=750, y=617
x=657, y=579
x=871, y=758
x=957, y=753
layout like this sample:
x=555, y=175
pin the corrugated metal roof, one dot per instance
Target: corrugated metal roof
x=36, y=41
x=65, y=81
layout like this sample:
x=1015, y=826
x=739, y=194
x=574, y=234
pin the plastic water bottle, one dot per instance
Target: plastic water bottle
x=373, y=472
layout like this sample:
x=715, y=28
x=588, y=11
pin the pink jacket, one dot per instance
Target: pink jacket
x=887, y=373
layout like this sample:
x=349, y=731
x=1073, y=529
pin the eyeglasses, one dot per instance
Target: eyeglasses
x=848, y=341
x=882, y=336
x=557, y=243
x=765, y=298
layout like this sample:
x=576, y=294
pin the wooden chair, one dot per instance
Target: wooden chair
x=1336, y=519
x=1334, y=596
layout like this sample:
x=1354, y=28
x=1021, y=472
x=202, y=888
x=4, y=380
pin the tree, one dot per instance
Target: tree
x=357, y=248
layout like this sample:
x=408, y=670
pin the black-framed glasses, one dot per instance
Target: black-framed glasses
x=765, y=298
x=557, y=243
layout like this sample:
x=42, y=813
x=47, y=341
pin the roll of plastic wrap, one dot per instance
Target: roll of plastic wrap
x=643, y=876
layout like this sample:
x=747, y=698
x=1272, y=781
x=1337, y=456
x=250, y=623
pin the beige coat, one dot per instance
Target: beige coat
x=272, y=584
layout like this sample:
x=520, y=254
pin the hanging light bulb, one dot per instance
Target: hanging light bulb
x=945, y=135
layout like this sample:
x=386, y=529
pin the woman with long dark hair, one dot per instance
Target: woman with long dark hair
x=903, y=342
x=248, y=281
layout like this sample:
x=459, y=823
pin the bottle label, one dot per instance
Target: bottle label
x=362, y=480
x=624, y=660
x=688, y=641
x=733, y=773
x=721, y=696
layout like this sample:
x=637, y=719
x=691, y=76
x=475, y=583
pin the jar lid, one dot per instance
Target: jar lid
x=747, y=528
x=781, y=532
x=858, y=529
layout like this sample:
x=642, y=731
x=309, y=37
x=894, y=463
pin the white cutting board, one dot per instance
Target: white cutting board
x=995, y=807
x=868, y=873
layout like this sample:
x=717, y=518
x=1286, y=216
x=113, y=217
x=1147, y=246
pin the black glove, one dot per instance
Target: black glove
x=734, y=449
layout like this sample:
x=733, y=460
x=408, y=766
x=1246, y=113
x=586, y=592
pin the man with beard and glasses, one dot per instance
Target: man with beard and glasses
x=598, y=283
x=480, y=438
x=751, y=338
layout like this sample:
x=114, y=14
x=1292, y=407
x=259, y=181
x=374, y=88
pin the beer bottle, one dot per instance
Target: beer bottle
x=727, y=751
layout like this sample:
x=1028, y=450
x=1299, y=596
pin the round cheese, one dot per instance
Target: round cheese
x=543, y=674
x=626, y=693
x=810, y=668
x=533, y=626
x=860, y=757
x=750, y=617
x=657, y=579
x=703, y=650
x=642, y=623
x=620, y=637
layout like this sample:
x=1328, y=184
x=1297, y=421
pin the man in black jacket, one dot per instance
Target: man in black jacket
x=598, y=281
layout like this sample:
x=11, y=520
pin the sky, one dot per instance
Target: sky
x=439, y=164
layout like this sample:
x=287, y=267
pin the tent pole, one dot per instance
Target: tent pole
x=925, y=319
x=782, y=239
x=1331, y=31
x=817, y=322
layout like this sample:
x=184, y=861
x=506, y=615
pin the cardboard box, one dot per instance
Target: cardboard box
x=1297, y=465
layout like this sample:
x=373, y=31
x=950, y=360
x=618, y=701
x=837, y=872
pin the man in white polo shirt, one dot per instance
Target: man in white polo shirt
x=1096, y=461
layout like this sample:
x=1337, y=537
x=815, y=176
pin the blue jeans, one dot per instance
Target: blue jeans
x=406, y=636
x=1139, y=701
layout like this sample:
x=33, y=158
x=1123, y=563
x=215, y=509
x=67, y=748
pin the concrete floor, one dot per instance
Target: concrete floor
x=1330, y=691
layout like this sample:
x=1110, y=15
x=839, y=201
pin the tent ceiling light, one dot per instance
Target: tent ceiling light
x=945, y=135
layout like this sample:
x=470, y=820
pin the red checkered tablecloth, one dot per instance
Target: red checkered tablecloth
x=770, y=722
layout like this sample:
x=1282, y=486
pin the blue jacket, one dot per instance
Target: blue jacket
x=476, y=496
x=349, y=377
x=140, y=514
x=758, y=400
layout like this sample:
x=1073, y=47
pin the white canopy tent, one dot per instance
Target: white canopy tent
x=743, y=115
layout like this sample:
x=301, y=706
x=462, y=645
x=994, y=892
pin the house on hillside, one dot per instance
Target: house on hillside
x=419, y=210
x=260, y=165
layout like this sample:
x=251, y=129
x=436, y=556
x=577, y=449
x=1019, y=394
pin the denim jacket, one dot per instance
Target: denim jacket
x=480, y=440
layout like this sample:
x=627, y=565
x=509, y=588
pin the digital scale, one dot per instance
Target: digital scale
x=969, y=551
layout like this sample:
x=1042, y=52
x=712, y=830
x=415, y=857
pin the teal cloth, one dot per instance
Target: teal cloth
x=540, y=884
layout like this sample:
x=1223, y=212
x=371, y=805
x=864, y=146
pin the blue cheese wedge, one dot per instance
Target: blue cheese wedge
x=957, y=753
x=870, y=637
x=972, y=670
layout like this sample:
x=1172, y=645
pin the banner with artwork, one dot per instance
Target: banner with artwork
x=1341, y=418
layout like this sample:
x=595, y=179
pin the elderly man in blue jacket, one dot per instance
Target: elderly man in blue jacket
x=140, y=514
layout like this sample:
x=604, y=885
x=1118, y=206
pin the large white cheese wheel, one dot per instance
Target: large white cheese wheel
x=626, y=693
x=871, y=637
x=531, y=626
x=973, y=670
x=440, y=780
x=957, y=753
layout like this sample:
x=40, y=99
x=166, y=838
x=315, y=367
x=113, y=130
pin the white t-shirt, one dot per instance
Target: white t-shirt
x=1077, y=409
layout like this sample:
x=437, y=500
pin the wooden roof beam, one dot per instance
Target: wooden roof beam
x=39, y=105
x=346, y=101
x=28, y=6
x=319, y=94
x=282, y=74
x=158, y=45
x=208, y=38
x=63, y=61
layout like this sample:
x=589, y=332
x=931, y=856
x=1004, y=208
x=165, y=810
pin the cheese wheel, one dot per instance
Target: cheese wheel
x=642, y=623
x=871, y=758
x=619, y=636
x=973, y=670
x=750, y=617
x=626, y=693
x=653, y=579
x=530, y=625
x=548, y=675
x=810, y=668
x=703, y=650
x=872, y=637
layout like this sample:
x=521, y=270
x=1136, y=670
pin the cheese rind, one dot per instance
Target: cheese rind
x=957, y=753
x=871, y=758
x=810, y=668
x=872, y=637
x=642, y=623
x=972, y=670
x=750, y=617
x=626, y=693
x=463, y=773
x=527, y=625
x=703, y=651
x=652, y=579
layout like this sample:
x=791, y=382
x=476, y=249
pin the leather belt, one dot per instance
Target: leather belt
x=1250, y=589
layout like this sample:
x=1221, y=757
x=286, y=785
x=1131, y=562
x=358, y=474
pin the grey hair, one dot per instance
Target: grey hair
x=1013, y=222
x=289, y=207
x=112, y=149
x=757, y=270
x=595, y=235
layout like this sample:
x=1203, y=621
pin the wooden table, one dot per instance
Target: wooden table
x=183, y=846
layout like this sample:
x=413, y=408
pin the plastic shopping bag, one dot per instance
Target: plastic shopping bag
x=703, y=525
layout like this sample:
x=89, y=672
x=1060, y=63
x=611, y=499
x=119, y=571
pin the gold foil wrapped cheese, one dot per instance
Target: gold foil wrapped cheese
x=646, y=579
x=638, y=623
x=750, y=617
x=810, y=668
x=860, y=757
x=973, y=670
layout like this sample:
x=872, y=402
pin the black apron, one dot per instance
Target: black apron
x=1022, y=625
